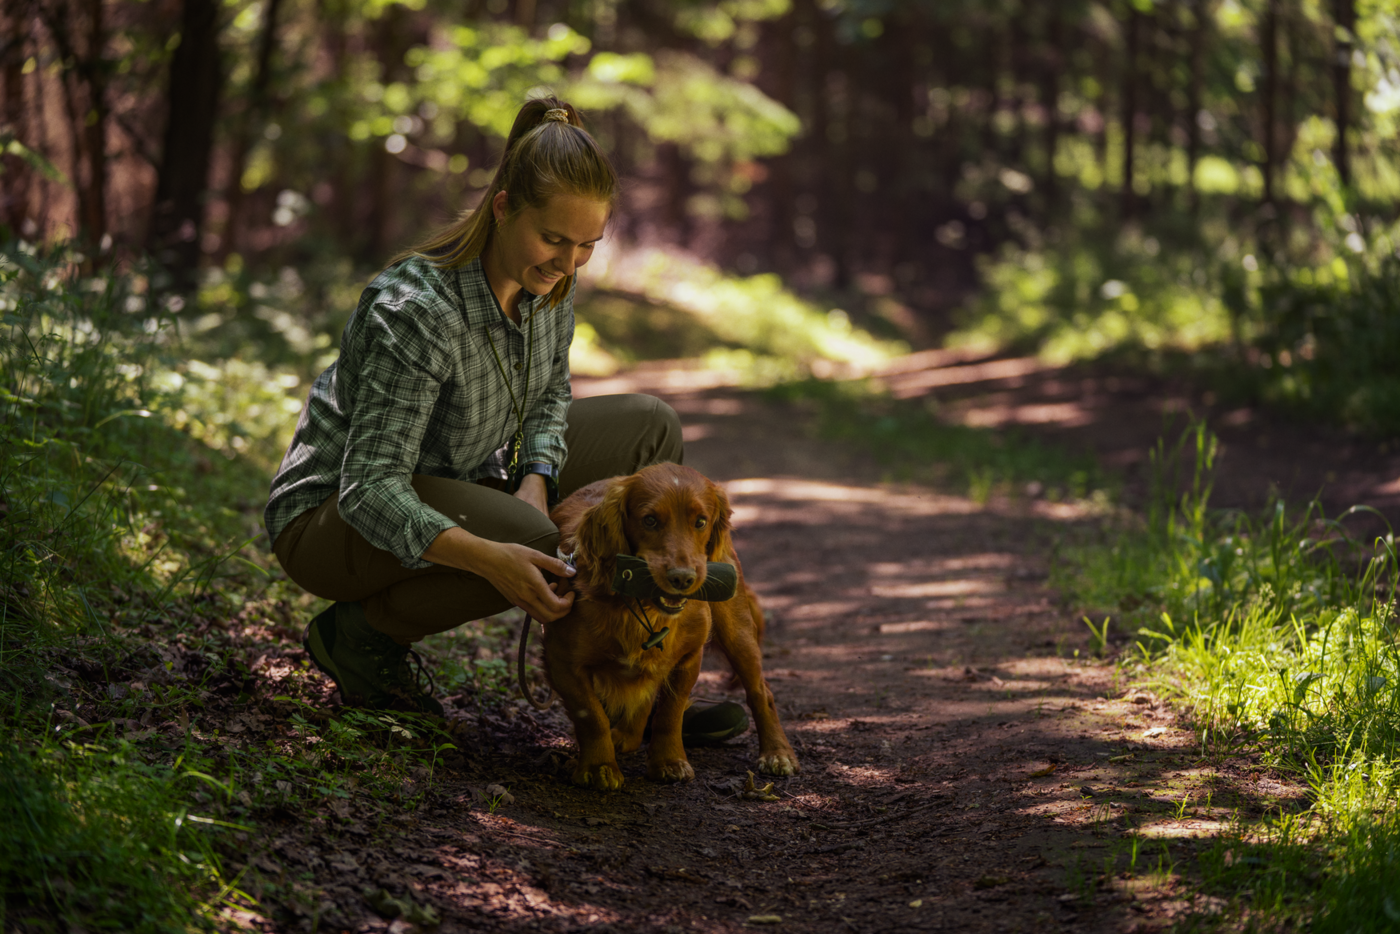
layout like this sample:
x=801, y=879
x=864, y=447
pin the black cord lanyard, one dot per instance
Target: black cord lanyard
x=518, y=409
x=654, y=635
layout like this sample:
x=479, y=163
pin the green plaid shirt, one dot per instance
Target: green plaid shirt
x=417, y=391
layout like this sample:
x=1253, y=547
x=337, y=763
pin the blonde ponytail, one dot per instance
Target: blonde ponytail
x=547, y=153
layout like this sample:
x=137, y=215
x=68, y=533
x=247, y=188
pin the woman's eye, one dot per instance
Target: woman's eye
x=700, y=523
x=650, y=522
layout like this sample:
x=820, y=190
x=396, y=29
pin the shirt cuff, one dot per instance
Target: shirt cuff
x=548, y=471
x=423, y=529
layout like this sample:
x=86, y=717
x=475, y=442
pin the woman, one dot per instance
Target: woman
x=416, y=490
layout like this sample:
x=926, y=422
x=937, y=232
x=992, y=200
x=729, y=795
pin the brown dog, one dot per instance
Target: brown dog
x=677, y=521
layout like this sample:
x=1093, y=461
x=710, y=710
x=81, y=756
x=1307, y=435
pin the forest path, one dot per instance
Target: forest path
x=966, y=766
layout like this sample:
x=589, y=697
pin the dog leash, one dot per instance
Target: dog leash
x=524, y=644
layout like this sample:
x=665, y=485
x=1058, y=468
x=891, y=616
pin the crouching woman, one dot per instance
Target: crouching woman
x=416, y=490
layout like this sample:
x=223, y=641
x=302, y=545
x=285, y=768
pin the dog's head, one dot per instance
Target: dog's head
x=670, y=516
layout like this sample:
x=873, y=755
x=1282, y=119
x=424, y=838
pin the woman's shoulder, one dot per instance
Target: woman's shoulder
x=412, y=280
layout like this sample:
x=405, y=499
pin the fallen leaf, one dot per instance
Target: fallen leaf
x=753, y=793
x=917, y=903
x=1123, y=758
x=1041, y=773
x=765, y=919
x=1155, y=731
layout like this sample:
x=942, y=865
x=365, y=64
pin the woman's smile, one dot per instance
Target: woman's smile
x=536, y=247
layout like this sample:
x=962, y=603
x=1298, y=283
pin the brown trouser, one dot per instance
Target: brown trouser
x=607, y=436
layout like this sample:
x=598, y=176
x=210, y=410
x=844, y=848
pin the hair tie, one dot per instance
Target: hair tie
x=557, y=115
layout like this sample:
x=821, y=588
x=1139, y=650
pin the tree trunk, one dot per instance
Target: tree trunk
x=182, y=181
x=1269, y=104
x=94, y=74
x=781, y=193
x=14, y=198
x=257, y=107
x=84, y=97
x=1053, y=64
x=1130, y=66
x=1201, y=12
x=1344, y=17
x=383, y=168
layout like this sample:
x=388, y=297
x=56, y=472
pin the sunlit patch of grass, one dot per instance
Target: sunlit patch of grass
x=916, y=444
x=1278, y=633
x=1317, y=334
x=667, y=304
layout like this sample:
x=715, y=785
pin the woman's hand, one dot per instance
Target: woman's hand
x=533, y=491
x=517, y=571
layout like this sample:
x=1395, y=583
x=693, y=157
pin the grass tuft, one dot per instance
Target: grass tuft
x=1278, y=633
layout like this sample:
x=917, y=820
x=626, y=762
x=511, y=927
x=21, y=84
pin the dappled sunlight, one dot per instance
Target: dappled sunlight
x=1064, y=414
x=907, y=385
x=946, y=588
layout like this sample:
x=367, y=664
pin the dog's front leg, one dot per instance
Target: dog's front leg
x=736, y=633
x=666, y=761
x=597, y=760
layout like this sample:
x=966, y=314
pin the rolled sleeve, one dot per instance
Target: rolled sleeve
x=400, y=376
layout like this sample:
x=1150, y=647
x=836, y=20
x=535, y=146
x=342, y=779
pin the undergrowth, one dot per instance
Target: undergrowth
x=155, y=709
x=1314, y=335
x=914, y=443
x=1278, y=633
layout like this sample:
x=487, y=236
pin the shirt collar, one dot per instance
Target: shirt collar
x=482, y=307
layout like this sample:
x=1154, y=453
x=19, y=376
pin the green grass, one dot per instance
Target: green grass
x=1314, y=333
x=912, y=441
x=1277, y=633
x=138, y=750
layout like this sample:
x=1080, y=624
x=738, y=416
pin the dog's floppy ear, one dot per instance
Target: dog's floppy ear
x=718, y=546
x=602, y=537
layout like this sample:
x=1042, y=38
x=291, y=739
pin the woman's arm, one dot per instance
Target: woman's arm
x=514, y=570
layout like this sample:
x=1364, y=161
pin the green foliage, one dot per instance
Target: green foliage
x=123, y=581
x=1328, y=344
x=83, y=826
x=1280, y=633
x=1080, y=302
x=764, y=328
x=916, y=444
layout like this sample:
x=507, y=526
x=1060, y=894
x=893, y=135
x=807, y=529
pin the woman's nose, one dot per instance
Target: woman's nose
x=571, y=259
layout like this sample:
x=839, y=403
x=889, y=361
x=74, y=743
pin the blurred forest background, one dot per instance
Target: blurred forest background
x=193, y=193
x=1202, y=183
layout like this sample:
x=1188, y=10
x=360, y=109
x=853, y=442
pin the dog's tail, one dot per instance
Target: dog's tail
x=520, y=669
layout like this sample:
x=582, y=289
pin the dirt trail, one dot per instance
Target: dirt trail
x=961, y=769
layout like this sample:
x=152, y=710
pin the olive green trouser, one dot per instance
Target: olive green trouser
x=607, y=436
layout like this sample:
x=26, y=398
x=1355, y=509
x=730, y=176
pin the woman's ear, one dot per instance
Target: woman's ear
x=602, y=534
x=500, y=206
x=718, y=546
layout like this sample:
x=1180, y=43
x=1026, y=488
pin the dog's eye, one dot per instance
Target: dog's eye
x=650, y=522
x=700, y=523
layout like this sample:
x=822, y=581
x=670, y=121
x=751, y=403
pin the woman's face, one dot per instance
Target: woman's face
x=539, y=246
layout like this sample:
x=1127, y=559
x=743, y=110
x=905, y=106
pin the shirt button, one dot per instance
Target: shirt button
x=517, y=366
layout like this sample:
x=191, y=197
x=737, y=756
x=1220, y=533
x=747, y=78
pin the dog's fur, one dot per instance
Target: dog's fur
x=677, y=521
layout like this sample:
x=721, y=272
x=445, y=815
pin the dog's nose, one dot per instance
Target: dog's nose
x=681, y=578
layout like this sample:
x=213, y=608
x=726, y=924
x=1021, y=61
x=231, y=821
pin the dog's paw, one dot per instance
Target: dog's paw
x=605, y=776
x=672, y=770
x=779, y=763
